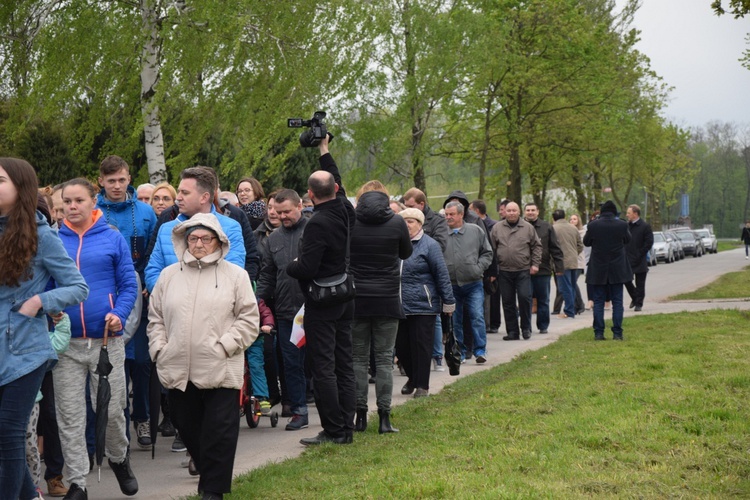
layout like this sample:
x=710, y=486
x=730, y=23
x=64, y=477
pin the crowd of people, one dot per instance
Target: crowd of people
x=191, y=285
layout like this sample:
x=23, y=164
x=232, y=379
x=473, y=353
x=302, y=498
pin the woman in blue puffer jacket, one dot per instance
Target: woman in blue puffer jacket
x=425, y=292
x=30, y=254
x=103, y=257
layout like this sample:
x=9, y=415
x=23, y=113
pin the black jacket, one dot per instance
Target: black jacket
x=435, y=227
x=261, y=233
x=379, y=241
x=275, y=286
x=745, y=237
x=552, y=256
x=323, y=247
x=607, y=236
x=641, y=241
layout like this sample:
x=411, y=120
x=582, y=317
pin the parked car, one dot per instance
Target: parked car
x=676, y=243
x=651, y=259
x=709, y=240
x=663, y=249
x=691, y=242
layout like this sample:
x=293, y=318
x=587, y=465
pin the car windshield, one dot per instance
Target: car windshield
x=703, y=233
x=658, y=237
x=686, y=236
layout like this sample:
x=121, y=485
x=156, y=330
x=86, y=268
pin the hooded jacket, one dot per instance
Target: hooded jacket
x=24, y=342
x=134, y=220
x=379, y=241
x=103, y=258
x=203, y=316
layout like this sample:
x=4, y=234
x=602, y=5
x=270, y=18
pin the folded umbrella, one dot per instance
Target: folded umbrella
x=452, y=350
x=154, y=403
x=103, y=395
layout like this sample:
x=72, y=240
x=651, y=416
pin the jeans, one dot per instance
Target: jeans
x=566, y=283
x=294, y=369
x=540, y=287
x=16, y=402
x=471, y=297
x=381, y=331
x=437, y=341
x=254, y=355
x=516, y=284
x=612, y=292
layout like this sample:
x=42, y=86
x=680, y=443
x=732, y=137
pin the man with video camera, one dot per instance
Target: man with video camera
x=324, y=254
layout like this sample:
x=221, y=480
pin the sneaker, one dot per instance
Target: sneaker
x=437, y=364
x=56, y=487
x=144, y=435
x=177, y=445
x=265, y=407
x=39, y=493
x=166, y=428
x=125, y=477
x=75, y=492
x=297, y=422
x=481, y=359
x=421, y=393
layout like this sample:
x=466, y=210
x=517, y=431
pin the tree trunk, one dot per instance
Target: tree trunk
x=514, y=186
x=581, y=200
x=150, y=69
x=746, y=157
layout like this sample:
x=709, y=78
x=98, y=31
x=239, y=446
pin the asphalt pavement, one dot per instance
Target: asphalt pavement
x=163, y=478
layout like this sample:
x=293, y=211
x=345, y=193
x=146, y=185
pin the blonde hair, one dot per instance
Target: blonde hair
x=374, y=185
x=163, y=185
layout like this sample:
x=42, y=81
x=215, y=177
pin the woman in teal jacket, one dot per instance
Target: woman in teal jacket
x=30, y=254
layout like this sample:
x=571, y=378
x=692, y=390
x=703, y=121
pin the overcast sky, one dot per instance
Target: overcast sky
x=697, y=53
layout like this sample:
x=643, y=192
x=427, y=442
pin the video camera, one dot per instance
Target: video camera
x=312, y=137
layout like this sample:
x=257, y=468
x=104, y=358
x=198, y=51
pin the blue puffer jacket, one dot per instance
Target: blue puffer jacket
x=425, y=280
x=24, y=342
x=163, y=254
x=103, y=257
x=134, y=219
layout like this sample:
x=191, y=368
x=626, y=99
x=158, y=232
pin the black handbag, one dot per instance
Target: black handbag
x=452, y=354
x=335, y=289
x=332, y=290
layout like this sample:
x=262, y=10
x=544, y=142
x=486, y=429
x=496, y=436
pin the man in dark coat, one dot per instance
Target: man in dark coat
x=608, y=266
x=328, y=328
x=434, y=224
x=641, y=242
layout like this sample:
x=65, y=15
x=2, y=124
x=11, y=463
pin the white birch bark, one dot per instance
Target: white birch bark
x=150, y=69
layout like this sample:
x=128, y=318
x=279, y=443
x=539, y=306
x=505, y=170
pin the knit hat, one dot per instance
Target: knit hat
x=609, y=206
x=199, y=226
x=412, y=213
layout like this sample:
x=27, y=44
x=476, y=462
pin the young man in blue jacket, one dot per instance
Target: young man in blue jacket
x=135, y=220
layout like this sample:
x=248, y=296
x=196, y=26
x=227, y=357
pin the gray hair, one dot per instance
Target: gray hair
x=145, y=185
x=457, y=204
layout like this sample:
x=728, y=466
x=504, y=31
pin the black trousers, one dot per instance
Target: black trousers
x=638, y=292
x=208, y=421
x=47, y=428
x=495, y=319
x=414, y=348
x=328, y=337
x=516, y=285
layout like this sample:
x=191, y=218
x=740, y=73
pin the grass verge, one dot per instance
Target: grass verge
x=663, y=414
x=727, y=286
x=723, y=245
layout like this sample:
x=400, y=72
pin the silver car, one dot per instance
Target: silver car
x=663, y=249
x=710, y=244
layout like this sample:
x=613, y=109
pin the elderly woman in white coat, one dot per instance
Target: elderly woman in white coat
x=203, y=316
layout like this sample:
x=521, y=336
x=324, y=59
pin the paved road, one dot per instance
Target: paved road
x=163, y=477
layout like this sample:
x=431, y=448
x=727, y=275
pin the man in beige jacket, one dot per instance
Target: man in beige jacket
x=571, y=245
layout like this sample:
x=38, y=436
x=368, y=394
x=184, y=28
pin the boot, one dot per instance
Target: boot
x=360, y=424
x=385, y=422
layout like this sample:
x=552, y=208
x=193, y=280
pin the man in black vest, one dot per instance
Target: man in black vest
x=641, y=242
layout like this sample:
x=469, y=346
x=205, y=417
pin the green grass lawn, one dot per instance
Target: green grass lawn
x=734, y=285
x=728, y=245
x=662, y=414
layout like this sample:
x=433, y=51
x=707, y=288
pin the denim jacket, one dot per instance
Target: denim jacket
x=25, y=344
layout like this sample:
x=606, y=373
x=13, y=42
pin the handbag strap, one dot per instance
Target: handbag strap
x=348, y=235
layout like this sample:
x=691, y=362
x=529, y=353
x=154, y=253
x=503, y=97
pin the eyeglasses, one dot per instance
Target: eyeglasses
x=244, y=191
x=205, y=239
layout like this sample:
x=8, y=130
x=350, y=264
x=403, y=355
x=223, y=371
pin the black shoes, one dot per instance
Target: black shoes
x=360, y=424
x=75, y=492
x=632, y=304
x=323, y=437
x=166, y=428
x=192, y=468
x=125, y=477
x=638, y=308
x=526, y=335
x=385, y=422
x=207, y=495
x=407, y=388
x=543, y=331
x=511, y=337
x=599, y=337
